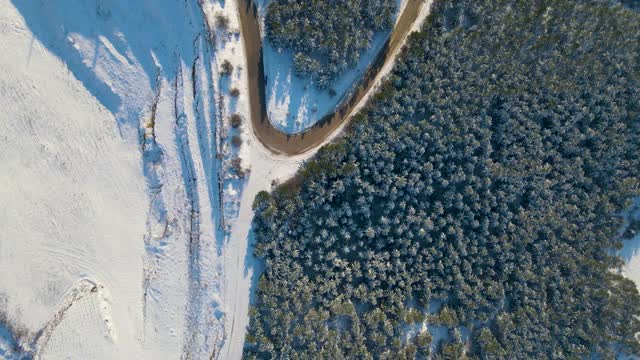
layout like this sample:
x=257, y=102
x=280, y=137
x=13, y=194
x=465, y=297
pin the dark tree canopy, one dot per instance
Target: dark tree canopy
x=487, y=174
x=326, y=36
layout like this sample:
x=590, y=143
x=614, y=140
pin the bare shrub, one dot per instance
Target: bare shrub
x=236, y=121
x=227, y=68
x=236, y=165
x=222, y=22
x=236, y=141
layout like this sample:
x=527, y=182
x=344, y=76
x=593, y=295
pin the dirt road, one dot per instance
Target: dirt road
x=280, y=142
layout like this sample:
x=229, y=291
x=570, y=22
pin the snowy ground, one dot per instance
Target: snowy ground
x=293, y=105
x=114, y=155
x=238, y=266
x=72, y=202
x=631, y=255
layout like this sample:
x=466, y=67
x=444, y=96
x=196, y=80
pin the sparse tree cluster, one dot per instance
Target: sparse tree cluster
x=326, y=36
x=486, y=175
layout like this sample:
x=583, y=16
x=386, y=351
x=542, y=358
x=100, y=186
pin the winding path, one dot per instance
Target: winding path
x=279, y=142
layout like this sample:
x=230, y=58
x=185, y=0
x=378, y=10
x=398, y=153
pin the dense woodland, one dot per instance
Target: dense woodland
x=480, y=191
x=326, y=36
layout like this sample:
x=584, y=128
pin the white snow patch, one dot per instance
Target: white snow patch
x=239, y=266
x=85, y=310
x=630, y=252
x=631, y=255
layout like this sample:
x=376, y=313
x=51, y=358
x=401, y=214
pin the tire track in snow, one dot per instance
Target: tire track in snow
x=189, y=181
x=153, y=168
x=85, y=288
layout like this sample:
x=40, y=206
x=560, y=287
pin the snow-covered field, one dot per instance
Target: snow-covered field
x=73, y=203
x=114, y=155
x=293, y=104
x=241, y=267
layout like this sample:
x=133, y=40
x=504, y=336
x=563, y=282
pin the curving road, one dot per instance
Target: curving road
x=279, y=142
x=277, y=155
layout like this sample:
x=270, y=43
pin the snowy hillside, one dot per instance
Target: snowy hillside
x=117, y=186
x=73, y=204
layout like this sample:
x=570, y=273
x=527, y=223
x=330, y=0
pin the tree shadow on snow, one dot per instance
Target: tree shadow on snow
x=115, y=35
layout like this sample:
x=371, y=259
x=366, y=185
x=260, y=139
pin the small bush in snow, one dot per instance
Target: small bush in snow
x=227, y=68
x=236, y=165
x=236, y=121
x=236, y=141
x=222, y=22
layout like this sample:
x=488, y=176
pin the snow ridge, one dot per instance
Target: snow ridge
x=86, y=290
